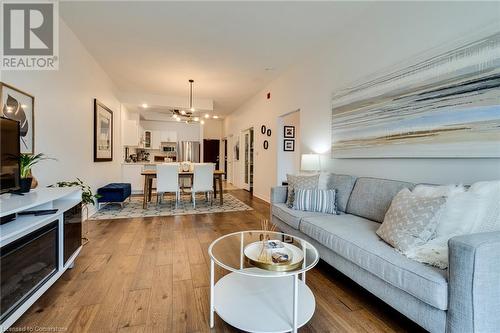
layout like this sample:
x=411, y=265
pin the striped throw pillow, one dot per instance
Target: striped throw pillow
x=315, y=200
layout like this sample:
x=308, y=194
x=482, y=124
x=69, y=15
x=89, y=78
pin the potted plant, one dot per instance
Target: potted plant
x=26, y=162
x=88, y=198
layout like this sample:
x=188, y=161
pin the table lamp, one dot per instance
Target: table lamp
x=310, y=162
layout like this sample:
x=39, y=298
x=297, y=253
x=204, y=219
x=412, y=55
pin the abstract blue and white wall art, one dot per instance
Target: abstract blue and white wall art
x=445, y=106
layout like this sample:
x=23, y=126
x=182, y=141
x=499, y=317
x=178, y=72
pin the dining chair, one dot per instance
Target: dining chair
x=203, y=180
x=167, y=181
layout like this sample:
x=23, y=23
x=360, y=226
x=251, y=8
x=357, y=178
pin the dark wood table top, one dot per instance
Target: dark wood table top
x=187, y=173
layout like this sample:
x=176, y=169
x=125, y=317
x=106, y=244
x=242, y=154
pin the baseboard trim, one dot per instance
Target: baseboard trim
x=261, y=197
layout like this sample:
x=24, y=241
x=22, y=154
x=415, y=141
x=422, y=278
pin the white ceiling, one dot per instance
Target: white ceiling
x=155, y=47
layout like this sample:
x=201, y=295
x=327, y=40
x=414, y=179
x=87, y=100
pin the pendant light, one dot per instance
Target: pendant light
x=191, y=95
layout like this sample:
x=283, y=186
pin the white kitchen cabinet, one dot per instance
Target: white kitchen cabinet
x=168, y=136
x=131, y=173
x=156, y=139
x=130, y=133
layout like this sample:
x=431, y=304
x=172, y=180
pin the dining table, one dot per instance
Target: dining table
x=149, y=175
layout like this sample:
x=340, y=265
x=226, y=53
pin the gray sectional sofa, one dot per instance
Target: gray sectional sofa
x=464, y=298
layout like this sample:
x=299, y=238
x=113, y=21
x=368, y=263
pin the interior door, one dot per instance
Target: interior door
x=211, y=152
x=248, y=159
x=225, y=159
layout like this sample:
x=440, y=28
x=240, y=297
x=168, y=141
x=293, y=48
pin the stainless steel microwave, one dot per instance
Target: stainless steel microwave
x=169, y=149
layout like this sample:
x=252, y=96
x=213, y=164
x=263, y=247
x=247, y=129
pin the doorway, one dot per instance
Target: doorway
x=248, y=159
x=211, y=152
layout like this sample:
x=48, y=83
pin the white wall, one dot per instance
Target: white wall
x=64, y=114
x=388, y=34
x=212, y=129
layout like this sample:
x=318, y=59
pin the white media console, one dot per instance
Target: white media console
x=36, y=250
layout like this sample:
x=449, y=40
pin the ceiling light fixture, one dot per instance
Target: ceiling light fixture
x=207, y=115
x=215, y=117
x=186, y=115
x=191, y=95
x=202, y=122
x=144, y=105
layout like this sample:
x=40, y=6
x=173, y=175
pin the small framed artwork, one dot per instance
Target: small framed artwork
x=269, y=132
x=19, y=106
x=289, y=145
x=289, y=132
x=103, y=132
x=263, y=129
x=266, y=144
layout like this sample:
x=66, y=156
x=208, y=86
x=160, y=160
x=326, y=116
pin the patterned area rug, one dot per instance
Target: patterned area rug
x=167, y=207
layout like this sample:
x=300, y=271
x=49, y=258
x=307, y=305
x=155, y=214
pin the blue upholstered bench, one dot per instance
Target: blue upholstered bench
x=115, y=193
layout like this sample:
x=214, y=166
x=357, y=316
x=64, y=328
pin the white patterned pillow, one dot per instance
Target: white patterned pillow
x=410, y=220
x=315, y=201
x=299, y=181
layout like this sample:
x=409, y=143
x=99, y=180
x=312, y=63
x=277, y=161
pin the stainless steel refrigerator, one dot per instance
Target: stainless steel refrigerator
x=188, y=151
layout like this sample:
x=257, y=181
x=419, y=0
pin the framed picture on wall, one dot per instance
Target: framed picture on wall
x=289, y=145
x=103, y=132
x=289, y=132
x=19, y=106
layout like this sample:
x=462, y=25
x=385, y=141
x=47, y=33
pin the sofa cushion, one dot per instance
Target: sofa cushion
x=371, y=197
x=291, y=216
x=343, y=184
x=354, y=238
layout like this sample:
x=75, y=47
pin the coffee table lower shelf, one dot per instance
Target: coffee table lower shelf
x=258, y=304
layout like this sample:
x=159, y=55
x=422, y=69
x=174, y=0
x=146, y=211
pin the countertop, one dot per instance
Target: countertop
x=141, y=163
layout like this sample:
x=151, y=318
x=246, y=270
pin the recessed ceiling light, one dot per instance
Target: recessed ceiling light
x=183, y=112
x=202, y=122
x=196, y=118
x=207, y=115
x=178, y=119
x=144, y=105
x=215, y=117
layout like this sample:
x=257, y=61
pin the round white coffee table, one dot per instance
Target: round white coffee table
x=254, y=299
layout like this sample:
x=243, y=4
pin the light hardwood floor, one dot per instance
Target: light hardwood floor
x=152, y=275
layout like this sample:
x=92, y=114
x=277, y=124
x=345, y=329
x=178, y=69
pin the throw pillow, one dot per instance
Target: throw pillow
x=433, y=191
x=300, y=181
x=460, y=211
x=410, y=220
x=476, y=210
x=315, y=201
